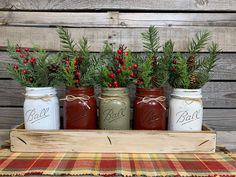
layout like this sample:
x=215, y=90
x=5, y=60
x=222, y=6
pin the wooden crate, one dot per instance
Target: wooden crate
x=112, y=141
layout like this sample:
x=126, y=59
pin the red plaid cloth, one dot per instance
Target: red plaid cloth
x=116, y=164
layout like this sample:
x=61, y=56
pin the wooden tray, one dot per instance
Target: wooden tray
x=112, y=141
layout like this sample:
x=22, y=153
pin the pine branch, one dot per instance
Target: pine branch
x=179, y=77
x=67, y=43
x=198, y=43
x=151, y=40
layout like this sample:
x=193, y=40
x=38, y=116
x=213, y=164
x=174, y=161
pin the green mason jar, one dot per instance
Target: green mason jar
x=114, y=109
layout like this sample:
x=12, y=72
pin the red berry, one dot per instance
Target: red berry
x=118, y=70
x=123, y=67
x=67, y=69
x=32, y=60
x=30, y=79
x=174, y=61
x=135, y=66
x=173, y=69
x=78, y=74
x=130, y=67
x=121, y=61
x=66, y=62
x=132, y=74
x=22, y=55
x=110, y=85
x=115, y=83
x=26, y=49
x=18, y=49
x=119, y=51
x=24, y=71
x=77, y=81
x=126, y=53
x=15, y=66
x=117, y=57
x=26, y=60
x=76, y=62
x=112, y=75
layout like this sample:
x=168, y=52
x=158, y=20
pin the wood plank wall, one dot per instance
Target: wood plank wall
x=27, y=22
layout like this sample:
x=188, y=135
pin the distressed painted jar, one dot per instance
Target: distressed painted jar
x=41, y=108
x=150, y=109
x=80, y=108
x=114, y=109
x=186, y=110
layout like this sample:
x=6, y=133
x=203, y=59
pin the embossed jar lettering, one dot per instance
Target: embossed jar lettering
x=80, y=109
x=114, y=109
x=186, y=110
x=149, y=109
x=41, y=108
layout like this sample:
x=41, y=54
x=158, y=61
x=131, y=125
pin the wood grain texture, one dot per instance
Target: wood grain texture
x=48, y=38
x=229, y=5
x=220, y=119
x=112, y=141
x=225, y=69
x=115, y=19
x=10, y=117
x=224, y=138
x=227, y=139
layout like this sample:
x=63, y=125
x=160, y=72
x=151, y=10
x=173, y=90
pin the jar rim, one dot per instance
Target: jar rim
x=115, y=89
x=187, y=90
x=79, y=88
x=39, y=88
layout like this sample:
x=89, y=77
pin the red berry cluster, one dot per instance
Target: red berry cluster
x=174, y=62
x=120, y=66
x=73, y=68
x=24, y=54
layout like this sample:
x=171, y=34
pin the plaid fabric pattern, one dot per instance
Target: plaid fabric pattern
x=117, y=164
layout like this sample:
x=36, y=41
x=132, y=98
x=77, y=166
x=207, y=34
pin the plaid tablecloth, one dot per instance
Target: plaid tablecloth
x=116, y=164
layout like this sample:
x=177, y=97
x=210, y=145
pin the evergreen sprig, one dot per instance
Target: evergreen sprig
x=118, y=70
x=199, y=42
x=151, y=40
x=33, y=69
x=179, y=76
x=154, y=70
x=79, y=67
x=67, y=42
x=192, y=71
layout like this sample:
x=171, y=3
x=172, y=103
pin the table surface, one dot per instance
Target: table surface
x=225, y=139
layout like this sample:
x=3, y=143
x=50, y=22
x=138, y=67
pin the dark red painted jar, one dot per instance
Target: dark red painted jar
x=80, y=109
x=149, y=109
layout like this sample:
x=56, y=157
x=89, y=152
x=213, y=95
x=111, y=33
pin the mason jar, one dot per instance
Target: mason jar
x=80, y=108
x=114, y=109
x=186, y=110
x=41, y=108
x=150, y=109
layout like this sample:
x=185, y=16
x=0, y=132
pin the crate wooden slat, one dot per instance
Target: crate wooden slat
x=112, y=141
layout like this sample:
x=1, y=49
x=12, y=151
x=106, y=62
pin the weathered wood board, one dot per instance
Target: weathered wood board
x=112, y=141
x=182, y=5
x=131, y=37
x=115, y=19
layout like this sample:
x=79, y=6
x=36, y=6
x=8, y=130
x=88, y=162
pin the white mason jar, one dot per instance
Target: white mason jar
x=41, y=108
x=185, y=110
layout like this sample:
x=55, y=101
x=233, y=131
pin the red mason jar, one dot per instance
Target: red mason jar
x=150, y=109
x=80, y=109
